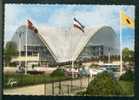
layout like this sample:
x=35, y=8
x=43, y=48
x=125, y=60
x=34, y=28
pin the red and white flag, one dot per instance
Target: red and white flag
x=29, y=24
x=78, y=25
x=31, y=27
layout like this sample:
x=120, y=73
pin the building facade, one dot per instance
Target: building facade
x=57, y=45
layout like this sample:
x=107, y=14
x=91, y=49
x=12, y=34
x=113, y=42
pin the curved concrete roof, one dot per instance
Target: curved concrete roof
x=67, y=44
x=32, y=37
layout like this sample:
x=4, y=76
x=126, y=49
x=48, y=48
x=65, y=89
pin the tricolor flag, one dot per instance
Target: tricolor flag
x=31, y=27
x=126, y=20
x=29, y=24
x=78, y=25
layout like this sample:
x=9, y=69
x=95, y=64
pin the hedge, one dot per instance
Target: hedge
x=58, y=72
x=24, y=80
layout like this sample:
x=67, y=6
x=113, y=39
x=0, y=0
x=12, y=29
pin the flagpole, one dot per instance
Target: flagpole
x=72, y=62
x=109, y=57
x=72, y=68
x=121, y=67
x=26, y=54
x=99, y=56
x=19, y=48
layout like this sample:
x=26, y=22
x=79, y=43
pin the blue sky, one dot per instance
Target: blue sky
x=60, y=15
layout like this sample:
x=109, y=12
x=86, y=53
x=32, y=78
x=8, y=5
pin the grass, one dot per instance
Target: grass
x=128, y=87
x=25, y=80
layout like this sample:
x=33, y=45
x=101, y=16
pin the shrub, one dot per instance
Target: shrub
x=104, y=85
x=128, y=76
x=58, y=72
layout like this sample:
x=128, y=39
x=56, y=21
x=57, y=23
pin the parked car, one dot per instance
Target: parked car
x=20, y=69
x=95, y=71
x=100, y=70
x=71, y=71
x=83, y=72
x=92, y=72
x=114, y=69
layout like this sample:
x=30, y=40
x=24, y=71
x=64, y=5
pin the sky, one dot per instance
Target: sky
x=61, y=15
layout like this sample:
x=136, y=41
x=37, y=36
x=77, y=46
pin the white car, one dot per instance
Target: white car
x=100, y=70
x=95, y=71
x=20, y=69
x=70, y=71
x=92, y=72
x=112, y=68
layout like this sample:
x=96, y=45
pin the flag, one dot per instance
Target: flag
x=35, y=30
x=78, y=25
x=29, y=24
x=126, y=20
x=31, y=27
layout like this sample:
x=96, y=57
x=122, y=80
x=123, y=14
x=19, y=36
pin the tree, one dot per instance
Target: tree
x=104, y=85
x=10, y=51
x=128, y=76
x=128, y=55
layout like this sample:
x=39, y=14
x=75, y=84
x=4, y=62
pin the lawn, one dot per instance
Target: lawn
x=128, y=87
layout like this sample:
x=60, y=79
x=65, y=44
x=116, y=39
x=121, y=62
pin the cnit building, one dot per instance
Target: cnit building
x=51, y=45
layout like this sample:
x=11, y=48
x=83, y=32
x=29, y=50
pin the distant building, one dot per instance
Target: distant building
x=57, y=45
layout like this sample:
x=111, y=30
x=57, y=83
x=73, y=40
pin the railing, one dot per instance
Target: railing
x=68, y=87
